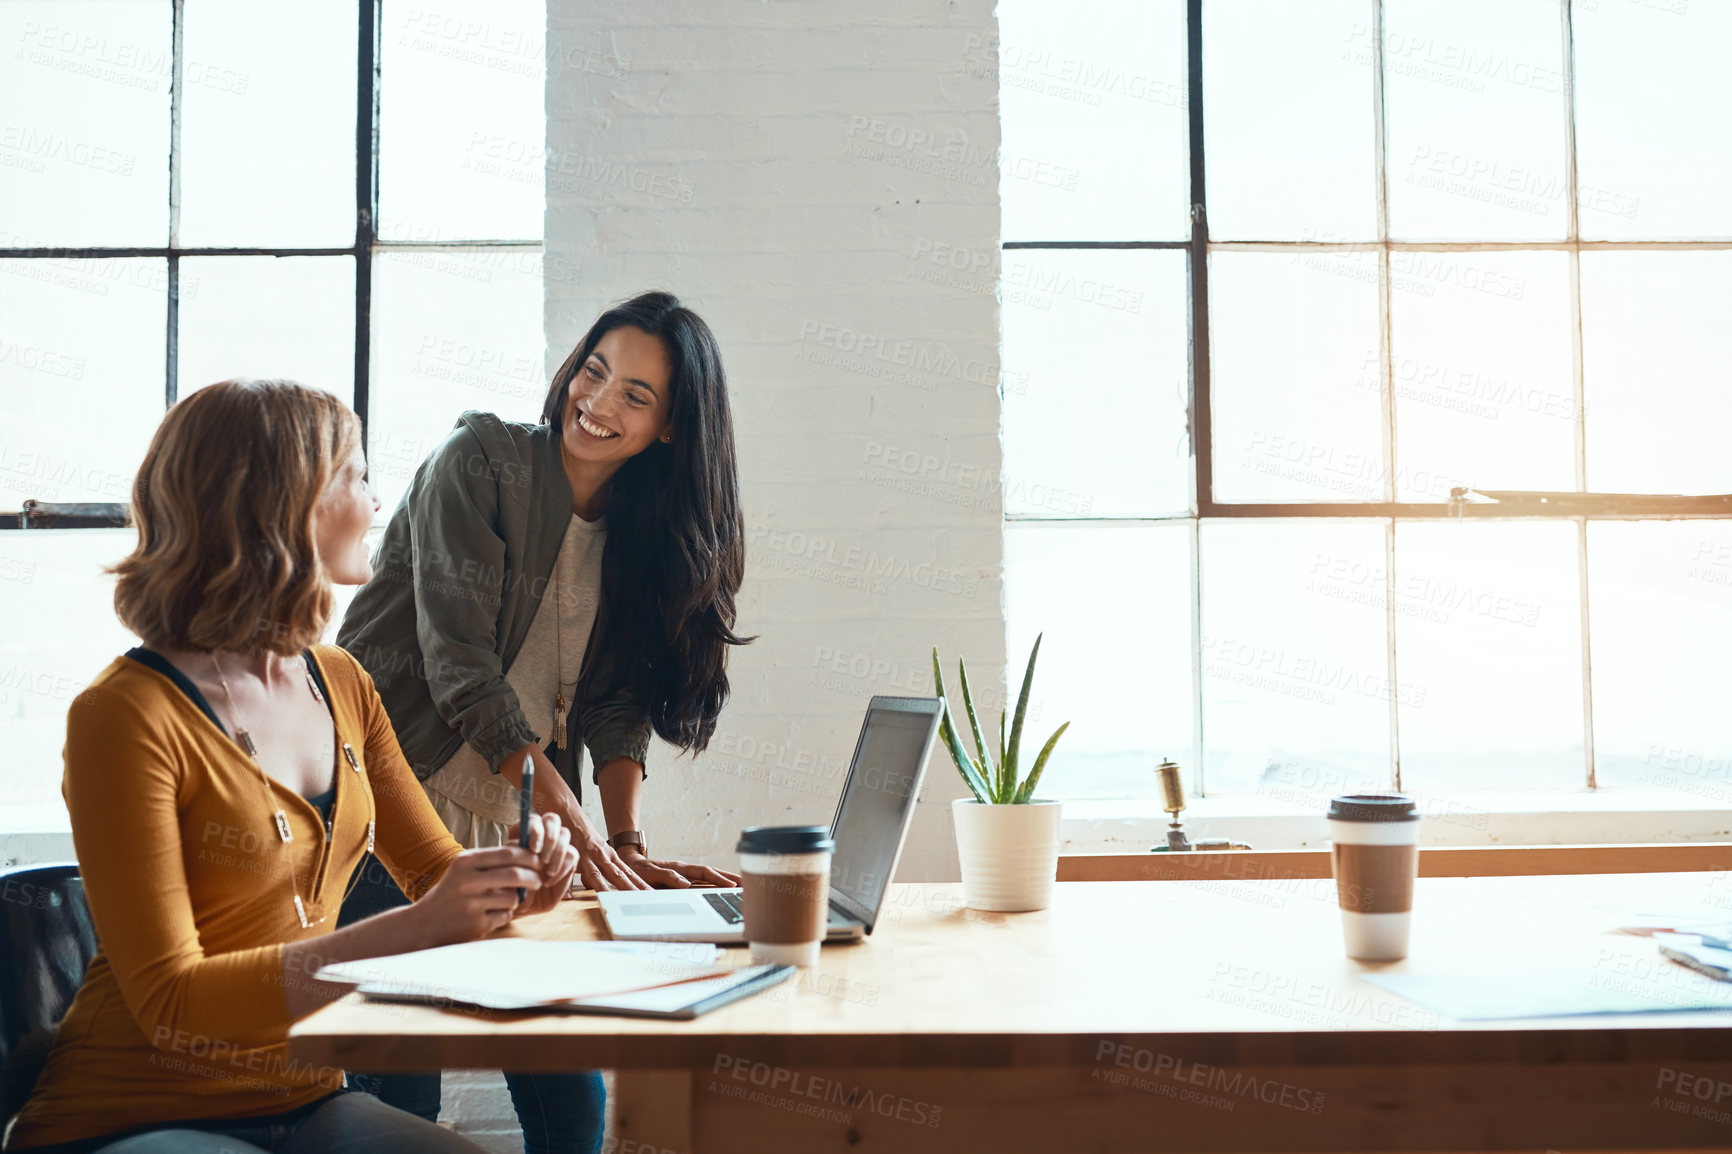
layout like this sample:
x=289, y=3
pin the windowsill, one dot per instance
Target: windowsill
x=1470, y=818
x=37, y=833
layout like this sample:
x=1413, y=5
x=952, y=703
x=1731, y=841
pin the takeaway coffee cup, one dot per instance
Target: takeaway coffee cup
x=1375, y=853
x=785, y=883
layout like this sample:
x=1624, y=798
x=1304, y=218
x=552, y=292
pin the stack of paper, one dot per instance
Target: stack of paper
x=1468, y=997
x=1706, y=953
x=520, y=973
x=1719, y=936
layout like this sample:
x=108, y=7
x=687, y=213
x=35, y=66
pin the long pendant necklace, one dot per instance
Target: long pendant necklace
x=560, y=704
x=284, y=832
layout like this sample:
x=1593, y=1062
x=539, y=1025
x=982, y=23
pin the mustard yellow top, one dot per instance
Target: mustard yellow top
x=181, y=1014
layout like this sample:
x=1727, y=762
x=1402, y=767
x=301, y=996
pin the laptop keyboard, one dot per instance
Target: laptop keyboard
x=727, y=905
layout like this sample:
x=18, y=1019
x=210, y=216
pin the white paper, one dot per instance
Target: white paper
x=665, y=999
x=509, y=973
x=1470, y=997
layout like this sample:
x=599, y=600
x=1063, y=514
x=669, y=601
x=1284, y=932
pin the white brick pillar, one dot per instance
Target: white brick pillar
x=820, y=182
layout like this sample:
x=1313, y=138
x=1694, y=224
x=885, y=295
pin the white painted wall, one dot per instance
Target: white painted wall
x=787, y=170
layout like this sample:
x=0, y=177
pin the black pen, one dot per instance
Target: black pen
x=525, y=809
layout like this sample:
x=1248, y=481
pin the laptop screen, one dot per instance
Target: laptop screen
x=883, y=785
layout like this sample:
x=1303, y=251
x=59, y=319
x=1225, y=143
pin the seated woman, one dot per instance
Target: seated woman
x=224, y=781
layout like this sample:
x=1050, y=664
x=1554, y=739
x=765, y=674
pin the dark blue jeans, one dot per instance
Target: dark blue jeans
x=559, y=1113
x=341, y=1123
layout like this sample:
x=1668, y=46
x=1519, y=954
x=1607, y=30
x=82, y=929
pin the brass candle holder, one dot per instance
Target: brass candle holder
x=1173, y=802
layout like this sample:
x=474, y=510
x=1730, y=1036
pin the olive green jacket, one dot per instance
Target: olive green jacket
x=456, y=582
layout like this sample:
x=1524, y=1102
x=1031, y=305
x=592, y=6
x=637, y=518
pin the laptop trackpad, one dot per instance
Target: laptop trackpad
x=666, y=908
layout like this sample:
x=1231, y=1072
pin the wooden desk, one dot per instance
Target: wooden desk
x=1139, y=1016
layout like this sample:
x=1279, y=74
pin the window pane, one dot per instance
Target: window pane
x=1475, y=117
x=268, y=126
x=461, y=120
x=1488, y=638
x=1287, y=100
x=1657, y=371
x=1295, y=371
x=1113, y=603
x=244, y=316
x=1484, y=391
x=1094, y=399
x=1295, y=658
x=60, y=633
x=451, y=331
x=1095, y=133
x=1653, y=157
x=84, y=139
x=1660, y=596
x=82, y=359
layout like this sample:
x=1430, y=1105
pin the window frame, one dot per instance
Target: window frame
x=367, y=244
x=1579, y=507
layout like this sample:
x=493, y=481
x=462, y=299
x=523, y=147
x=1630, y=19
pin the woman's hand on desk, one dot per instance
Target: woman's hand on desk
x=600, y=866
x=675, y=875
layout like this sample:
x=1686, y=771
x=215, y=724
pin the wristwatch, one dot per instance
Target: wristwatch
x=629, y=837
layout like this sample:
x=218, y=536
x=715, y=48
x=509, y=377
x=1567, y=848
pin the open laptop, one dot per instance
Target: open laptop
x=870, y=826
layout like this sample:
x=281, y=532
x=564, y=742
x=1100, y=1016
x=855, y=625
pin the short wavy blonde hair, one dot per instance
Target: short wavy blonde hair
x=224, y=507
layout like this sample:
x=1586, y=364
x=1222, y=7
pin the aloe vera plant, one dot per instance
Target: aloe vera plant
x=993, y=784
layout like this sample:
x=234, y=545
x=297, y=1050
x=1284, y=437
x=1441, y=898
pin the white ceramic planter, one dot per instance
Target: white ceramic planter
x=1009, y=853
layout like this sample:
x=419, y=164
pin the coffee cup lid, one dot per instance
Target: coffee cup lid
x=785, y=839
x=1373, y=807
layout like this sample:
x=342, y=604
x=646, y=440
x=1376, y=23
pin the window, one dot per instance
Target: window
x=1278, y=280
x=196, y=190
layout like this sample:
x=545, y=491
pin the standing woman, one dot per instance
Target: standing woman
x=224, y=780
x=546, y=588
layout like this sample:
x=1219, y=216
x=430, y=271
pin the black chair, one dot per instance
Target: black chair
x=46, y=940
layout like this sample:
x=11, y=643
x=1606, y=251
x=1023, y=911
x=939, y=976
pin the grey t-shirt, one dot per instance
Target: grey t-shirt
x=550, y=660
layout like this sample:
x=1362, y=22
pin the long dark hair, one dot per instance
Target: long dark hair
x=676, y=549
